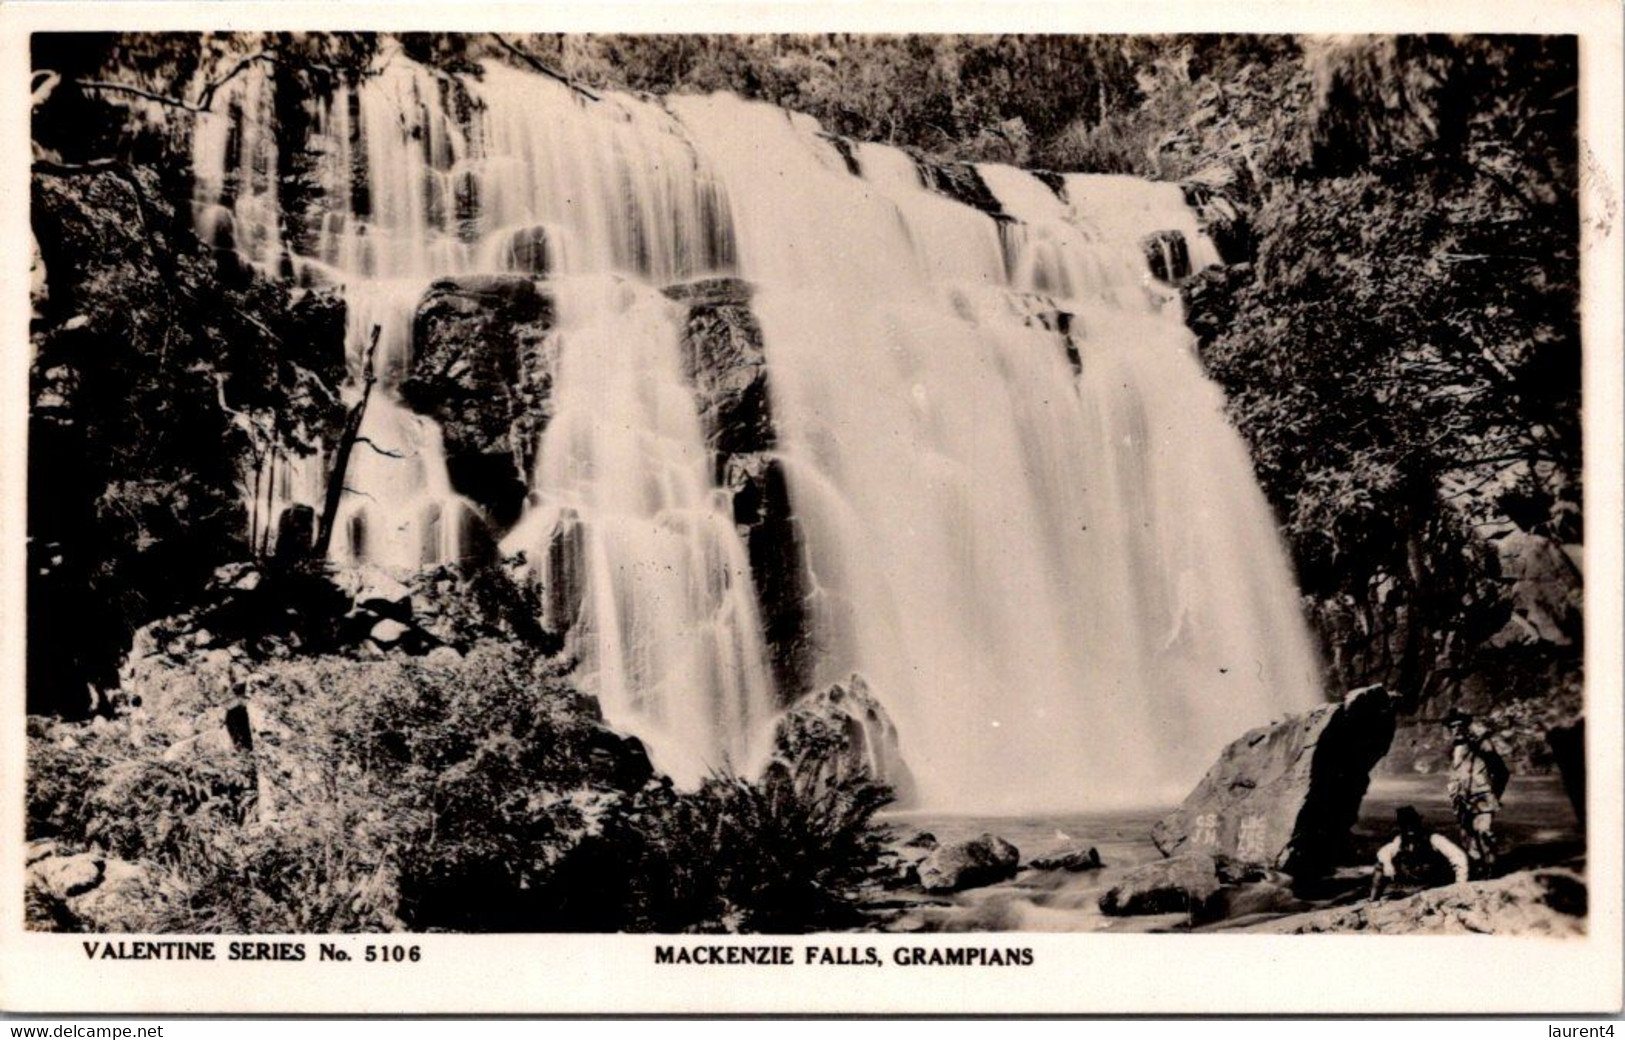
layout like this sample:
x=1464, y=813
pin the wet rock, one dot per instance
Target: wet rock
x=528, y=250
x=760, y=494
x=958, y=181
x=1548, y=903
x=1186, y=884
x=722, y=358
x=481, y=368
x=1285, y=795
x=622, y=760
x=295, y=532
x=985, y=860
x=1072, y=860
x=1208, y=193
x=1168, y=254
x=839, y=735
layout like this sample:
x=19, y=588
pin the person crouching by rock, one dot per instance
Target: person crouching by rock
x=1417, y=858
x=1478, y=778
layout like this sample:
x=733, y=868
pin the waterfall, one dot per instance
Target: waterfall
x=1020, y=511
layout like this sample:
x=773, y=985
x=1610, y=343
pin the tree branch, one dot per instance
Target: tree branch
x=544, y=69
x=205, y=97
x=368, y=441
x=342, y=452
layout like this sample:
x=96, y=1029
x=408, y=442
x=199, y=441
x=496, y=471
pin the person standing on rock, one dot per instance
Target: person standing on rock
x=1478, y=778
x=1417, y=857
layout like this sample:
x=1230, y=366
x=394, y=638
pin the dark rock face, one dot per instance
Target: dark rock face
x=1169, y=256
x=1286, y=794
x=761, y=508
x=724, y=361
x=1224, y=222
x=1568, y=744
x=838, y=735
x=985, y=860
x=959, y=181
x=295, y=532
x=482, y=369
x=1186, y=884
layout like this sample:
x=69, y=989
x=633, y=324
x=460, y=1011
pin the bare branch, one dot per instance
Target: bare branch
x=346, y=445
x=544, y=69
x=205, y=96
x=368, y=441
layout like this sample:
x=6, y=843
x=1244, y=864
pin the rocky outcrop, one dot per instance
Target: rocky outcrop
x=959, y=181
x=1168, y=256
x=723, y=360
x=1185, y=884
x=482, y=367
x=984, y=860
x=1547, y=903
x=839, y=735
x=1285, y=795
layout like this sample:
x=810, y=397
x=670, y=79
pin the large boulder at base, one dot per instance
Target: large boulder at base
x=837, y=735
x=986, y=860
x=1187, y=884
x=1548, y=903
x=1286, y=794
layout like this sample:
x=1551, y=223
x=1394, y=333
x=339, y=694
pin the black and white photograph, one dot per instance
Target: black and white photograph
x=920, y=490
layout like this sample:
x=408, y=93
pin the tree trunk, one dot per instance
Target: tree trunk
x=341, y=454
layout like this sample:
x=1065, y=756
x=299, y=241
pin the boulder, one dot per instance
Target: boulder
x=67, y=876
x=1185, y=884
x=838, y=735
x=1285, y=795
x=387, y=632
x=1073, y=860
x=986, y=860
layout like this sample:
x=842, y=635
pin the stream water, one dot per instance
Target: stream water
x=1537, y=826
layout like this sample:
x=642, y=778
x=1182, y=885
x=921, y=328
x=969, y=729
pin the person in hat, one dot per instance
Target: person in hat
x=1417, y=857
x=1478, y=778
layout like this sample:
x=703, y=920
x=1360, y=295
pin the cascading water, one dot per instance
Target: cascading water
x=1022, y=514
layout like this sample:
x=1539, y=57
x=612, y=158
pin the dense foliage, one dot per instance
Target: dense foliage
x=1404, y=352
x=470, y=794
